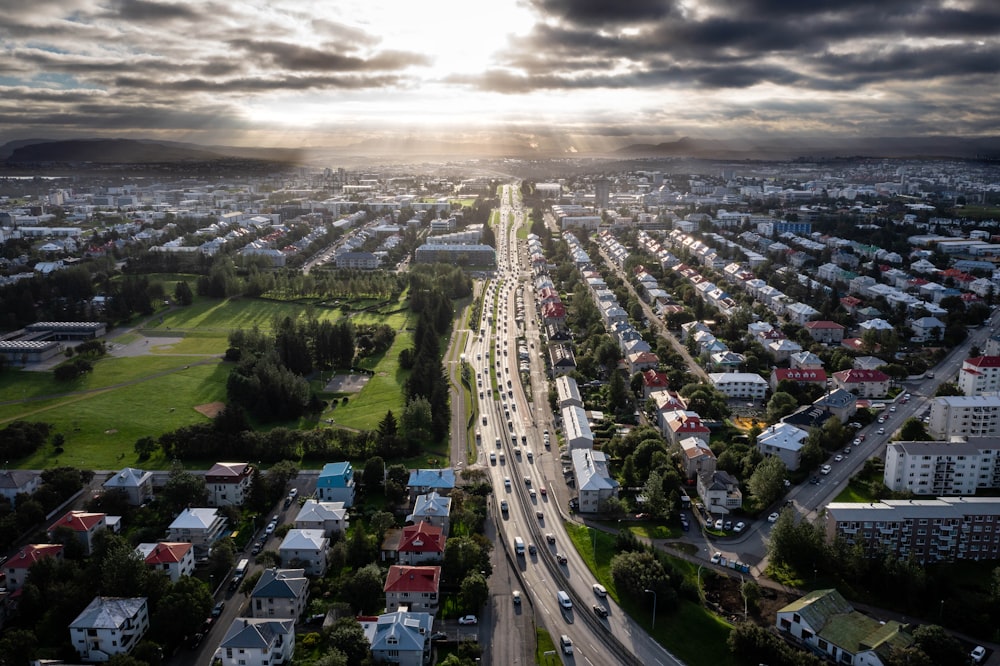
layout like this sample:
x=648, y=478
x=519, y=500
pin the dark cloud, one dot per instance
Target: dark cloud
x=596, y=12
x=257, y=84
x=145, y=10
x=295, y=57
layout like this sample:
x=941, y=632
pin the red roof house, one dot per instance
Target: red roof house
x=421, y=543
x=416, y=587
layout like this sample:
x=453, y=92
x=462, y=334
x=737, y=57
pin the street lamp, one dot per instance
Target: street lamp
x=648, y=591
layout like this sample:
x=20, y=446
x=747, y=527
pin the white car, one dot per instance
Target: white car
x=740, y=526
x=599, y=590
x=468, y=619
x=825, y=469
x=978, y=654
x=773, y=518
x=716, y=557
x=838, y=458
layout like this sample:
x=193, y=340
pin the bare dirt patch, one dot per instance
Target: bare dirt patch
x=210, y=409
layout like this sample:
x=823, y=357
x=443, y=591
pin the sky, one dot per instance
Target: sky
x=560, y=75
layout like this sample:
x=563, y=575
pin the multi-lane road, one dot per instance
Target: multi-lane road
x=519, y=448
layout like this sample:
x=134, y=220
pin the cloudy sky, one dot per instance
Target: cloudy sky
x=563, y=74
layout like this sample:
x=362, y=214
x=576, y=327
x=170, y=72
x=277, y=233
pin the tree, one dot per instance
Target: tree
x=781, y=404
x=182, y=609
x=462, y=555
x=348, y=637
x=913, y=430
x=122, y=571
x=221, y=559
x=182, y=293
x=18, y=647
x=363, y=590
x=635, y=572
x=656, y=499
x=767, y=482
x=474, y=592
x=184, y=489
x=373, y=474
x=938, y=644
x=278, y=478
x=144, y=447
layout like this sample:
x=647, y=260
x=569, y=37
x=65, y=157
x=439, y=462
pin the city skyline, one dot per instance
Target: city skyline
x=549, y=75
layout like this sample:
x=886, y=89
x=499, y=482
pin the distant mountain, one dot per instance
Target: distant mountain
x=130, y=151
x=818, y=147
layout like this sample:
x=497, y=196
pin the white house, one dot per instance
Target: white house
x=784, y=441
x=434, y=509
x=257, y=642
x=280, y=593
x=228, y=483
x=135, y=483
x=415, y=588
x=306, y=549
x=109, y=626
x=980, y=375
x=331, y=517
x=828, y=624
x=720, y=491
x=593, y=481
x=19, y=564
x=175, y=559
x=742, y=385
x=201, y=527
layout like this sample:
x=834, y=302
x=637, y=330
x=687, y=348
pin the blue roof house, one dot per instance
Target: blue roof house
x=336, y=483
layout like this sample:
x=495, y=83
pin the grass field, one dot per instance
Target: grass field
x=691, y=633
x=102, y=425
x=544, y=645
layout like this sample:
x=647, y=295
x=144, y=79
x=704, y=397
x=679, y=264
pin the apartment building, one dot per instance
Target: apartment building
x=931, y=530
x=743, y=385
x=980, y=375
x=965, y=416
x=943, y=468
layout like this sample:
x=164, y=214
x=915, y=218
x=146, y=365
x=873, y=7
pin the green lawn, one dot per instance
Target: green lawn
x=101, y=427
x=692, y=633
x=382, y=393
x=214, y=315
x=544, y=643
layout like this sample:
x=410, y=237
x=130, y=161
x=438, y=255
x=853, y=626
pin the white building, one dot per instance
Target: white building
x=175, y=559
x=980, y=375
x=109, y=626
x=742, y=385
x=577, y=428
x=201, y=527
x=568, y=392
x=593, y=482
x=784, y=441
x=257, y=642
x=965, y=416
x=331, y=517
x=943, y=468
x=306, y=549
x=135, y=483
x=228, y=483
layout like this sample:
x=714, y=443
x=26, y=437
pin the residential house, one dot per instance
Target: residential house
x=401, y=637
x=696, y=457
x=862, y=383
x=109, y=626
x=594, y=483
x=280, y=593
x=576, y=428
x=14, y=482
x=562, y=359
x=679, y=424
x=804, y=377
x=336, y=483
x=175, y=559
x=568, y=393
x=742, y=385
x=980, y=375
x=257, y=642
x=85, y=526
x=653, y=381
x=19, y=564
x=421, y=543
x=228, y=483
x=838, y=402
x=135, y=483
x=641, y=360
x=782, y=350
x=720, y=491
x=306, y=549
x=201, y=527
x=927, y=328
x=825, y=622
x=330, y=517
x=423, y=481
x=805, y=360
x=415, y=588
x=434, y=509
x=784, y=441
x=828, y=332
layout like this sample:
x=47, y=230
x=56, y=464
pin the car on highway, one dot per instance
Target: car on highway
x=506, y=482
x=493, y=458
x=599, y=590
x=541, y=489
x=600, y=611
x=516, y=597
x=773, y=518
x=566, y=643
x=466, y=620
x=503, y=506
x=561, y=559
x=532, y=550
x=539, y=515
x=549, y=537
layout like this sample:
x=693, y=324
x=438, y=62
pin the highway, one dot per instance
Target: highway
x=527, y=475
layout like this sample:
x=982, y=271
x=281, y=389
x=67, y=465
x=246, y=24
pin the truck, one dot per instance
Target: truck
x=518, y=546
x=238, y=574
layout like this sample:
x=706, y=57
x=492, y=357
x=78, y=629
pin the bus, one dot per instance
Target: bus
x=241, y=571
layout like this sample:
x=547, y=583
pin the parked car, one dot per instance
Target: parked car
x=728, y=525
x=719, y=524
x=439, y=636
x=773, y=518
x=468, y=619
x=978, y=654
x=838, y=458
x=217, y=611
x=740, y=526
x=825, y=469
x=716, y=557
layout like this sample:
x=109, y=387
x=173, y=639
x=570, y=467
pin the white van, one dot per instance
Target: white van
x=564, y=599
